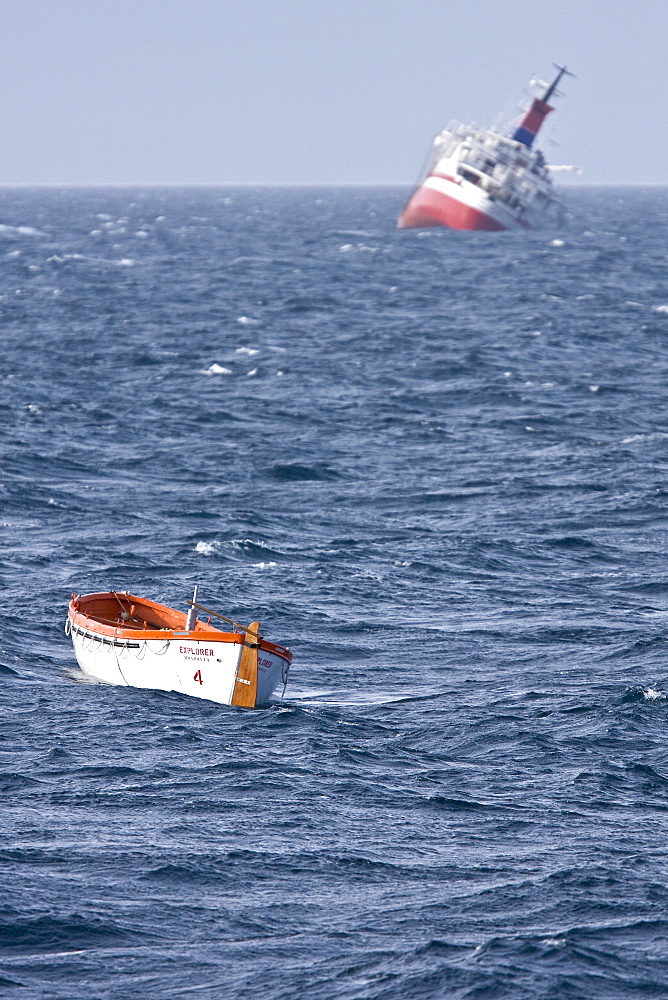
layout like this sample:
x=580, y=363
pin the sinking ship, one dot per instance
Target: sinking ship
x=485, y=179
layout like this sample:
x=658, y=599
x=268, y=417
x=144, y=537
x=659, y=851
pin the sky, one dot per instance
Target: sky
x=319, y=91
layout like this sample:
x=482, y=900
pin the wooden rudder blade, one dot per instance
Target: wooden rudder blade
x=245, y=686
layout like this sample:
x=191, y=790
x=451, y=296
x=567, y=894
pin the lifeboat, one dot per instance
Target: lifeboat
x=122, y=639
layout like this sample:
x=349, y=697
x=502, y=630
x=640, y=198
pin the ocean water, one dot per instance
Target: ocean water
x=433, y=464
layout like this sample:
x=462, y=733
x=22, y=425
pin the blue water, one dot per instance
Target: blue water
x=433, y=464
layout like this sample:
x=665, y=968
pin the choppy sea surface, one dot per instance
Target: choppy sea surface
x=435, y=465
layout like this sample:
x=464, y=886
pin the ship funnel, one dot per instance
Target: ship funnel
x=528, y=128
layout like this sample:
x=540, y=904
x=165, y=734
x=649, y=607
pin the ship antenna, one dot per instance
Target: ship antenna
x=553, y=86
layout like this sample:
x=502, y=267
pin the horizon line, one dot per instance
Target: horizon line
x=286, y=184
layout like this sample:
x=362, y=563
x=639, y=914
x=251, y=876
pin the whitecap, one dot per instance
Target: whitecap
x=633, y=438
x=253, y=371
x=660, y=309
x=652, y=694
x=217, y=370
x=23, y=230
x=594, y=388
x=56, y=259
x=346, y=247
x=264, y=565
x=126, y=262
x=557, y=243
x=241, y=543
x=207, y=548
x=246, y=321
x=250, y=351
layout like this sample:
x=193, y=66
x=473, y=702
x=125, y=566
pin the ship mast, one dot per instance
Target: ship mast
x=528, y=128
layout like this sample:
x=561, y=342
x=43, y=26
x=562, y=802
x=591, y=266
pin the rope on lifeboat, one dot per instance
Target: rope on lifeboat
x=158, y=652
x=116, y=656
x=285, y=670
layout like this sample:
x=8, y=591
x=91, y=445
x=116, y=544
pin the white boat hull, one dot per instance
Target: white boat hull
x=200, y=669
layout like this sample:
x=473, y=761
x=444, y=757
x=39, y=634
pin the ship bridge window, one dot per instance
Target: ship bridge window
x=469, y=176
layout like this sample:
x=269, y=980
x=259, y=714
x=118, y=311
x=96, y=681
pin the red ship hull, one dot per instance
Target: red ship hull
x=434, y=208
